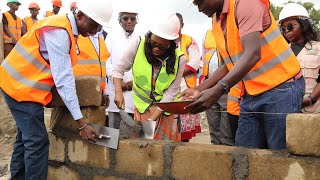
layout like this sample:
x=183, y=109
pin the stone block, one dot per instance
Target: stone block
x=207, y=162
x=56, y=151
x=88, y=90
x=62, y=172
x=264, y=164
x=106, y=178
x=303, y=134
x=61, y=117
x=87, y=154
x=141, y=157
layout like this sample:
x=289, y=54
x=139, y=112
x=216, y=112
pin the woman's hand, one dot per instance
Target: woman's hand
x=189, y=93
x=306, y=102
x=119, y=100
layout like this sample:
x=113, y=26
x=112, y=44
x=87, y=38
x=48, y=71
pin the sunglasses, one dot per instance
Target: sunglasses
x=288, y=28
x=160, y=47
x=126, y=18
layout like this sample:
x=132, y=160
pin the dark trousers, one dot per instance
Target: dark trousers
x=31, y=149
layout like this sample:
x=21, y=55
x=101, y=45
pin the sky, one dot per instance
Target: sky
x=196, y=23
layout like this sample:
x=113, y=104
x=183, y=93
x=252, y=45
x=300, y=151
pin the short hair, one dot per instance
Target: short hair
x=180, y=17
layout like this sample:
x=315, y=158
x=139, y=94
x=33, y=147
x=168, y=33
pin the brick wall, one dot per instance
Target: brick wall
x=72, y=158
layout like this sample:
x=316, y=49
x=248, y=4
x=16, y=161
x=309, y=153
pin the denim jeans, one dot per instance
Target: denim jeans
x=31, y=149
x=262, y=122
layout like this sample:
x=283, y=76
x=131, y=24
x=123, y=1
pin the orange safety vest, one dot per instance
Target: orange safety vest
x=89, y=62
x=233, y=100
x=14, y=26
x=25, y=75
x=277, y=63
x=209, y=48
x=49, y=13
x=29, y=22
x=186, y=41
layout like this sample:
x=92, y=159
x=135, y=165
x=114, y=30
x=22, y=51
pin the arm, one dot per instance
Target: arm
x=172, y=91
x=315, y=93
x=58, y=45
x=194, y=59
x=109, y=65
x=124, y=65
x=24, y=28
x=6, y=28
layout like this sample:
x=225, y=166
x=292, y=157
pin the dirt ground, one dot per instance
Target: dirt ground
x=8, y=131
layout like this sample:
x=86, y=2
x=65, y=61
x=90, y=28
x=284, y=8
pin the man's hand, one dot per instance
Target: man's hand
x=206, y=99
x=88, y=132
x=105, y=100
x=189, y=93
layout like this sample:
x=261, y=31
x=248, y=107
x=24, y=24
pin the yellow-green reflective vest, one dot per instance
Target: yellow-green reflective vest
x=142, y=79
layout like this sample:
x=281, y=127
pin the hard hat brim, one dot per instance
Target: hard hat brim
x=162, y=35
x=104, y=24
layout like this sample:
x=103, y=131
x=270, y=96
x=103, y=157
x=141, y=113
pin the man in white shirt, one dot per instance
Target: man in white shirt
x=117, y=42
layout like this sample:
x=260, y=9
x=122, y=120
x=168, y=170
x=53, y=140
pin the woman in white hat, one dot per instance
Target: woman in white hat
x=296, y=27
x=157, y=67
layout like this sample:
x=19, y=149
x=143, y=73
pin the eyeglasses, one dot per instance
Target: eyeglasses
x=288, y=28
x=159, y=46
x=126, y=18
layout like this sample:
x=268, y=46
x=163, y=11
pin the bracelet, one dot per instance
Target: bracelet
x=313, y=100
x=80, y=128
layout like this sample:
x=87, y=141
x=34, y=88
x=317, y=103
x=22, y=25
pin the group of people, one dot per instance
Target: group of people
x=254, y=71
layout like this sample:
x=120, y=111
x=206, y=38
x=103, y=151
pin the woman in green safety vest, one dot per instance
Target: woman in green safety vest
x=157, y=67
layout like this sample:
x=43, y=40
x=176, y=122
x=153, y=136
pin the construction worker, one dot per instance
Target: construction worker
x=257, y=57
x=92, y=58
x=157, y=65
x=41, y=59
x=73, y=6
x=296, y=25
x=117, y=42
x=12, y=29
x=28, y=22
x=219, y=127
x=56, y=5
x=190, y=123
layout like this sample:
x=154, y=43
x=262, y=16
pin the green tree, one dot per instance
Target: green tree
x=313, y=13
x=275, y=10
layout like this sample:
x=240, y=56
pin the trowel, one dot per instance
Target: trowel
x=109, y=137
x=126, y=118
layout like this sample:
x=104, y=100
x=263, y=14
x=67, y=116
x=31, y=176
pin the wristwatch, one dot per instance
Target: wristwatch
x=312, y=99
x=225, y=87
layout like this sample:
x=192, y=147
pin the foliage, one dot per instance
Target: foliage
x=313, y=13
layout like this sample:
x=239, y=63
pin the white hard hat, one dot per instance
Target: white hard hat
x=98, y=10
x=166, y=27
x=293, y=10
x=129, y=6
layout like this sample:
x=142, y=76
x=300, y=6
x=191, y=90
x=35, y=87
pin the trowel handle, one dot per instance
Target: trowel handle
x=104, y=136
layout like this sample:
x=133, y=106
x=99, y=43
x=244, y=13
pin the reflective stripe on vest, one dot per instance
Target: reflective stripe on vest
x=24, y=74
x=14, y=26
x=142, y=79
x=89, y=62
x=277, y=63
x=210, y=47
x=186, y=41
x=233, y=99
x=29, y=22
